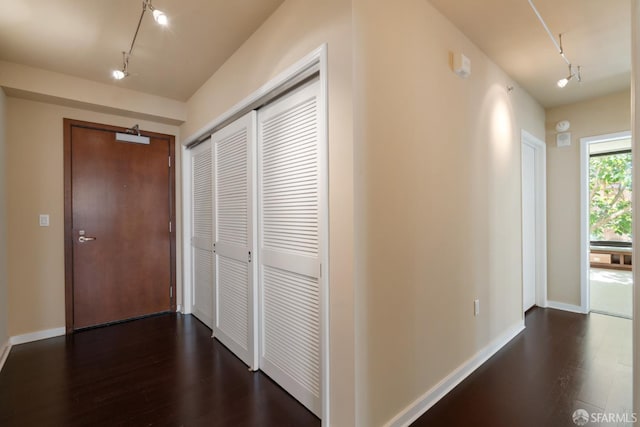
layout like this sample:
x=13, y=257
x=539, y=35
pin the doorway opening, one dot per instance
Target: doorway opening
x=607, y=281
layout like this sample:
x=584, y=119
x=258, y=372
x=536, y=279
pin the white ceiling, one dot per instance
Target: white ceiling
x=85, y=38
x=596, y=35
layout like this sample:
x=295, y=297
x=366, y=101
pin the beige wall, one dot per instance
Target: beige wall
x=438, y=217
x=35, y=186
x=294, y=30
x=599, y=116
x=48, y=86
x=4, y=316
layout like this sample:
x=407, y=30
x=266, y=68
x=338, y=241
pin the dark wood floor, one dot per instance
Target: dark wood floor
x=160, y=371
x=167, y=371
x=560, y=363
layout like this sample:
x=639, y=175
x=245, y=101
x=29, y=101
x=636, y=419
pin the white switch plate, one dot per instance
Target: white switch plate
x=563, y=139
x=44, y=220
x=476, y=307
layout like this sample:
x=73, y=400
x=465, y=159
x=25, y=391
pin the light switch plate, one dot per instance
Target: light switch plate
x=44, y=220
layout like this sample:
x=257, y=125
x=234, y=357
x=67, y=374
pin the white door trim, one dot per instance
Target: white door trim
x=540, y=149
x=314, y=62
x=585, y=300
x=187, y=212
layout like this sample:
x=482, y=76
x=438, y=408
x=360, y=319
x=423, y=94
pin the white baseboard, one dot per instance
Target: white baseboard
x=36, y=336
x=4, y=353
x=437, y=392
x=565, y=307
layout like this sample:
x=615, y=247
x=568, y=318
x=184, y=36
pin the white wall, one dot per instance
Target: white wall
x=438, y=216
x=48, y=86
x=599, y=116
x=4, y=316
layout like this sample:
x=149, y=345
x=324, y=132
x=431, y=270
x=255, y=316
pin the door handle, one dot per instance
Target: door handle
x=84, y=238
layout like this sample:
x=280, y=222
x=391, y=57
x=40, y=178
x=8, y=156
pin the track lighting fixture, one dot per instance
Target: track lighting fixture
x=121, y=74
x=160, y=17
x=564, y=81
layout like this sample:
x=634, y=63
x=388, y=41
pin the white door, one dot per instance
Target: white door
x=529, y=261
x=290, y=170
x=233, y=218
x=202, y=233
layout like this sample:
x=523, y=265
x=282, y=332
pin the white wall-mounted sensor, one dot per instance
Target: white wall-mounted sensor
x=563, y=139
x=461, y=65
x=563, y=126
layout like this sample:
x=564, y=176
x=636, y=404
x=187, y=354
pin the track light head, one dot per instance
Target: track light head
x=118, y=74
x=160, y=17
x=563, y=82
x=124, y=72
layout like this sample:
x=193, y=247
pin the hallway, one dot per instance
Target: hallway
x=560, y=363
x=166, y=370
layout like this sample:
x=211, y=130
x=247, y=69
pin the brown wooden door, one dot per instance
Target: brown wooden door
x=120, y=195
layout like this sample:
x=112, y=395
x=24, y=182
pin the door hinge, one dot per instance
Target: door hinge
x=249, y=256
x=170, y=227
x=169, y=161
x=170, y=291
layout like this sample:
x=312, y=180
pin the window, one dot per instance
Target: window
x=610, y=196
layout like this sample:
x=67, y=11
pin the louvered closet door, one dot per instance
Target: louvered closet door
x=202, y=233
x=235, y=292
x=289, y=227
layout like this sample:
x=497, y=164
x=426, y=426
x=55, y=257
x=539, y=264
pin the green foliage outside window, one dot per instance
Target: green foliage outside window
x=610, y=195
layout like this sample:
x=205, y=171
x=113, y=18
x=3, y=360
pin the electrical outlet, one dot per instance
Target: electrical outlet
x=476, y=307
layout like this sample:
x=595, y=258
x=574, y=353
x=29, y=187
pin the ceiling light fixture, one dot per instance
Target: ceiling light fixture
x=124, y=72
x=160, y=17
x=564, y=81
